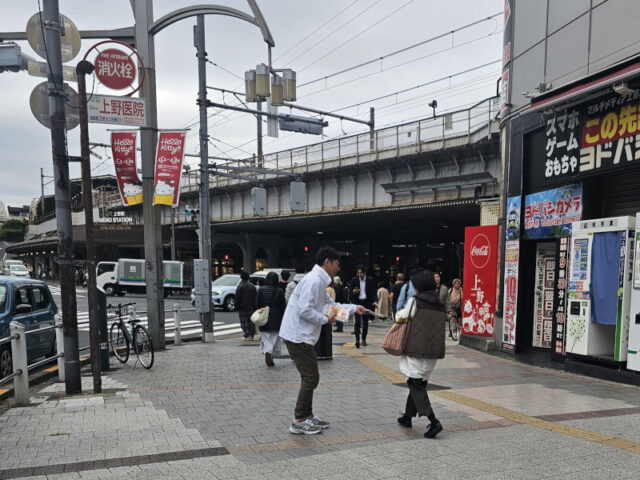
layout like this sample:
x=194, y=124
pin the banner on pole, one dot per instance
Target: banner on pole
x=479, y=288
x=168, y=173
x=123, y=147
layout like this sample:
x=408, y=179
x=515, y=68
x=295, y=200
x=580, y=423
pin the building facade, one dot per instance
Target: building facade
x=569, y=130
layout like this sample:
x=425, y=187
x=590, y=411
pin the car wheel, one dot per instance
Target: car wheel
x=110, y=290
x=230, y=303
x=6, y=362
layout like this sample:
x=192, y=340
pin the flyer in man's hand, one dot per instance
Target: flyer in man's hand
x=342, y=314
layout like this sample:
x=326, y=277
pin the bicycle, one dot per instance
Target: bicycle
x=122, y=340
x=454, y=325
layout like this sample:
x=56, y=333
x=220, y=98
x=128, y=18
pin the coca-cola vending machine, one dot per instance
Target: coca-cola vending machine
x=479, y=282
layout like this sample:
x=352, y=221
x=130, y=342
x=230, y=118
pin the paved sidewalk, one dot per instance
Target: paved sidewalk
x=216, y=411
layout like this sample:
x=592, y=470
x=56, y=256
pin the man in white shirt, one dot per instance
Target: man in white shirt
x=300, y=330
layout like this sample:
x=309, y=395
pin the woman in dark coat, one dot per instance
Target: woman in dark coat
x=272, y=296
x=425, y=345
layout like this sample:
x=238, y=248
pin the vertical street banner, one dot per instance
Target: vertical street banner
x=168, y=174
x=510, y=307
x=123, y=148
x=479, y=290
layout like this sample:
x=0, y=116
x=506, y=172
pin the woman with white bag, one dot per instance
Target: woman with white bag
x=272, y=296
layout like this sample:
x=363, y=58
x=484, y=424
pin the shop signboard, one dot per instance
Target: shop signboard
x=543, y=294
x=597, y=136
x=116, y=110
x=549, y=214
x=513, y=218
x=479, y=291
x=560, y=297
x=510, y=307
x=168, y=175
x=123, y=147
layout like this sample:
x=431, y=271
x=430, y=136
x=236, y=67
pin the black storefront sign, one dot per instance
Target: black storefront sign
x=595, y=137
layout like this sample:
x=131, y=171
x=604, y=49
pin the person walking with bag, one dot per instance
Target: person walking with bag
x=272, y=296
x=300, y=330
x=425, y=345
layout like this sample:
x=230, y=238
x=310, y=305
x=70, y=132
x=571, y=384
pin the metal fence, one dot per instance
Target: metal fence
x=21, y=368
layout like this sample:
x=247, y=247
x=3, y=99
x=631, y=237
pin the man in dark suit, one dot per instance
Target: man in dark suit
x=362, y=291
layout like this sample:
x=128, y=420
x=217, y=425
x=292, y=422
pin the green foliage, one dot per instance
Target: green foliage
x=13, y=230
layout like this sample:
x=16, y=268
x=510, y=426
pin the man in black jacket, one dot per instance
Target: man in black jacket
x=246, y=305
x=362, y=290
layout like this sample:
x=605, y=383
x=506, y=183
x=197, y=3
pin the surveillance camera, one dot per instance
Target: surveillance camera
x=622, y=88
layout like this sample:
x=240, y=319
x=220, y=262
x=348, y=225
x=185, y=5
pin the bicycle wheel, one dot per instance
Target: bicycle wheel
x=119, y=343
x=454, y=328
x=143, y=346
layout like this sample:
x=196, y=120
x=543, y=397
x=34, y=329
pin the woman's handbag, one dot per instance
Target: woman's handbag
x=396, y=338
x=260, y=316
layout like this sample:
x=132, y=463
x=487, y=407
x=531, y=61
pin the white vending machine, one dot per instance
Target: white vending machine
x=599, y=287
x=633, y=349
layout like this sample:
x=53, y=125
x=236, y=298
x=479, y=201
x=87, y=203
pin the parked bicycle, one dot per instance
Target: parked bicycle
x=454, y=325
x=122, y=339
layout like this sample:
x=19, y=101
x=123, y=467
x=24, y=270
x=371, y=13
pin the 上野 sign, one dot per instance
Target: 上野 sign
x=115, y=69
x=116, y=110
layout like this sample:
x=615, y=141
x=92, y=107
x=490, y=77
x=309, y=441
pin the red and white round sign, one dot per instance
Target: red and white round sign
x=480, y=250
x=115, y=69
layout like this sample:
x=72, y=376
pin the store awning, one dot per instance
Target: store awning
x=584, y=86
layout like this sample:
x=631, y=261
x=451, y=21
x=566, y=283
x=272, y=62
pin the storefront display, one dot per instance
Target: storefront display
x=543, y=295
x=633, y=349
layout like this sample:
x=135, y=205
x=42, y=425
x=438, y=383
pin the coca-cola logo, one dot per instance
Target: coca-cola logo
x=480, y=251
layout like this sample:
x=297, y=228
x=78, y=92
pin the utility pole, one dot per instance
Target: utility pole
x=206, y=317
x=259, y=134
x=52, y=28
x=173, y=234
x=42, y=190
x=86, y=68
x=143, y=14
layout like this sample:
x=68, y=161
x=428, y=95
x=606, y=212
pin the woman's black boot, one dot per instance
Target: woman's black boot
x=405, y=421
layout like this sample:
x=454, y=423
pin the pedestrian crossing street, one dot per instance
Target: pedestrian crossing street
x=188, y=327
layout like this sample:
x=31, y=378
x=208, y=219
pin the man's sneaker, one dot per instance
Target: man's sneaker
x=319, y=423
x=306, y=427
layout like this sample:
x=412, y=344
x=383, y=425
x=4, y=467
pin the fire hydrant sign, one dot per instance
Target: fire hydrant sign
x=115, y=69
x=169, y=168
x=116, y=110
x=123, y=147
x=479, y=291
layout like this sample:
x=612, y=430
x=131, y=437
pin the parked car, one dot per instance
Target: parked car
x=223, y=291
x=18, y=271
x=6, y=264
x=29, y=302
x=263, y=273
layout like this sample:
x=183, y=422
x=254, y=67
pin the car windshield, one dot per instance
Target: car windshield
x=226, y=281
x=3, y=297
x=18, y=268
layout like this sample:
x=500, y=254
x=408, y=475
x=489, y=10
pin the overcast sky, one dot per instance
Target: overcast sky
x=314, y=38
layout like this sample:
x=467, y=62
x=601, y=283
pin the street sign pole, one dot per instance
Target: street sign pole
x=143, y=14
x=85, y=68
x=51, y=19
x=206, y=317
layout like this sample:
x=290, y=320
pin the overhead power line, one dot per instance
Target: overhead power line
x=431, y=82
x=357, y=35
x=402, y=50
x=299, y=42
x=332, y=32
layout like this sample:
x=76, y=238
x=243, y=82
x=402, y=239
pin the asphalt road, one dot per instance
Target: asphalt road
x=226, y=324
